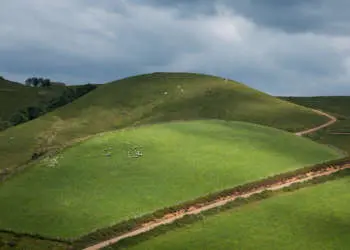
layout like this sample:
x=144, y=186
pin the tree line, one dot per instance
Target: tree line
x=37, y=82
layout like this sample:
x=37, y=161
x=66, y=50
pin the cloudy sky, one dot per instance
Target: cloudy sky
x=294, y=47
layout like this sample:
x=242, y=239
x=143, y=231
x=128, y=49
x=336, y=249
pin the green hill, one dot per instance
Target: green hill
x=20, y=103
x=128, y=173
x=146, y=99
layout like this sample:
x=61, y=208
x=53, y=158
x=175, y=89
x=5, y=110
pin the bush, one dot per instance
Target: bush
x=36, y=155
x=84, y=89
x=19, y=117
x=4, y=124
x=34, y=112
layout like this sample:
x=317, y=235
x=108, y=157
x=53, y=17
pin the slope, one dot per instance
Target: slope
x=337, y=105
x=15, y=97
x=20, y=103
x=145, y=99
x=338, y=134
x=120, y=175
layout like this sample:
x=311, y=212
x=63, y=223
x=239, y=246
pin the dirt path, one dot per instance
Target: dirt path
x=311, y=130
x=170, y=218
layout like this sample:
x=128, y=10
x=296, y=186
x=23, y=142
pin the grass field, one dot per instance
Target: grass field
x=12, y=242
x=312, y=218
x=98, y=183
x=145, y=99
x=337, y=106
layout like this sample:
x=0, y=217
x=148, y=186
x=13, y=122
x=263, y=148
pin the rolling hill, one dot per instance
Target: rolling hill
x=120, y=175
x=145, y=99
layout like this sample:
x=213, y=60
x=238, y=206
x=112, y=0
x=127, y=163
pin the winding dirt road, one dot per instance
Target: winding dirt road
x=171, y=217
x=332, y=120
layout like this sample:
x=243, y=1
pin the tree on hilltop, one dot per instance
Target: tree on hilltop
x=38, y=82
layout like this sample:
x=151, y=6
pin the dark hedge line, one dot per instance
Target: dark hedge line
x=131, y=224
x=190, y=219
x=36, y=236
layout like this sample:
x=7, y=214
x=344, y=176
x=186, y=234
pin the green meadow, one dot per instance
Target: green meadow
x=124, y=174
x=313, y=218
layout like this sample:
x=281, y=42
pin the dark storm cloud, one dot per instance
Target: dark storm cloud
x=280, y=47
x=319, y=16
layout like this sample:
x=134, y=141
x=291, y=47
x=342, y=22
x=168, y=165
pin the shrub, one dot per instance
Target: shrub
x=18, y=117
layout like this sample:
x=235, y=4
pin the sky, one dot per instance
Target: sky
x=290, y=48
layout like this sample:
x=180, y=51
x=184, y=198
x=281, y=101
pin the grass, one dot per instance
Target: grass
x=337, y=106
x=15, y=97
x=150, y=98
x=311, y=218
x=20, y=103
x=11, y=242
x=99, y=183
x=339, y=141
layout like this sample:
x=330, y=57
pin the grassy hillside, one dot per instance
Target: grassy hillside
x=145, y=99
x=20, y=103
x=15, y=97
x=338, y=106
x=11, y=242
x=311, y=218
x=105, y=180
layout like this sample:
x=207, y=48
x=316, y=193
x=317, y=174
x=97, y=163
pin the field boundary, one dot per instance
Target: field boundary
x=106, y=236
x=35, y=236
